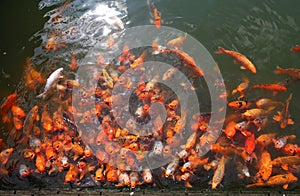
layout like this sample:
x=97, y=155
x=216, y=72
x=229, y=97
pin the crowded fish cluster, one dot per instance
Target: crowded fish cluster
x=45, y=140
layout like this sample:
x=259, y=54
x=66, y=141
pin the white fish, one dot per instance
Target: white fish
x=51, y=79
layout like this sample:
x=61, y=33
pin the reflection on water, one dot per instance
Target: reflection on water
x=263, y=31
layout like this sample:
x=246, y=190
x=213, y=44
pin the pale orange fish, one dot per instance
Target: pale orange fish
x=30, y=119
x=283, y=117
x=254, y=113
x=293, y=72
x=280, y=179
x=110, y=41
x=53, y=42
x=191, y=141
x=241, y=88
x=230, y=130
x=138, y=61
x=4, y=155
x=177, y=42
x=239, y=59
x=157, y=16
x=219, y=173
x=73, y=64
x=265, y=166
x=187, y=59
x=266, y=103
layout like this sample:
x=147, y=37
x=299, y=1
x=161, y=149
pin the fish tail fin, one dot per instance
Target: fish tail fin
x=234, y=91
x=220, y=51
x=42, y=95
x=278, y=70
x=246, y=79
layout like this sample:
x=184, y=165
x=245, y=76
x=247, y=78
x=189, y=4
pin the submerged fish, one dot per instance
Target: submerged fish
x=239, y=59
x=283, y=117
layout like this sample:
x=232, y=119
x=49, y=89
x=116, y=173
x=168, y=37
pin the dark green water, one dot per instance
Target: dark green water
x=262, y=30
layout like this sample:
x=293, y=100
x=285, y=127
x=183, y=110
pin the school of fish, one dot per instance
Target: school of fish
x=45, y=140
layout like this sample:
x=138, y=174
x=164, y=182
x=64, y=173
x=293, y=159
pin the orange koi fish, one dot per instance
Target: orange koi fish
x=270, y=87
x=157, y=16
x=177, y=42
x=254, y=113
x=187, y=59
x=6, y=106
x=293, y=72
x=191, y=141
x=31, y=117
x=72, y=174
x=17, y=112
x=241, y=88
x=239, y=59
x=265, y=169
x=46, y=120
x=296, y=48
x=230, y=130
x=240, y=105
x=286, y=161
x=40, y=162
x=284, y=116
x=4, y=155
x=250, y=143
x=52, y=42
x=281, y=179
x=138, y=61
x=73, y=64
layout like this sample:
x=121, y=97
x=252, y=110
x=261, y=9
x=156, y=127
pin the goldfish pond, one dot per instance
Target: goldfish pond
x=150, y=95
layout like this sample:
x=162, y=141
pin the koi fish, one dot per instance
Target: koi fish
x=73, y=64
x=172, y=166
x=31, y=117
x=138, y=61
x=295, y=49
x=243, y=170
x=46, y=120
x=282, y=141
x=219, y=173
x=281, y=179
x=230, y=130
x=53, y=43
x=283, y=117
x=40, y=162
x=293, y=72
x=107, y=78
x=177, y=42
x=187, y=59
x=239, y=59
x=157, y=16
x=24, y=171
x=254, y=113
x=260, y=122
x=99, y=174
x=240, y=105
x=270, y=87
x=51, y=80
x=191, y=141
x=286, y=161
x=169, y=73
x=31, y=75
x=265, y=169
x=241, y=88
x=4, y=155
x=123, y=179
x=264, y=103
x=250, y=143
x=147, y=176
x=17, y=112
x=72, y=174
x=7, y=105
